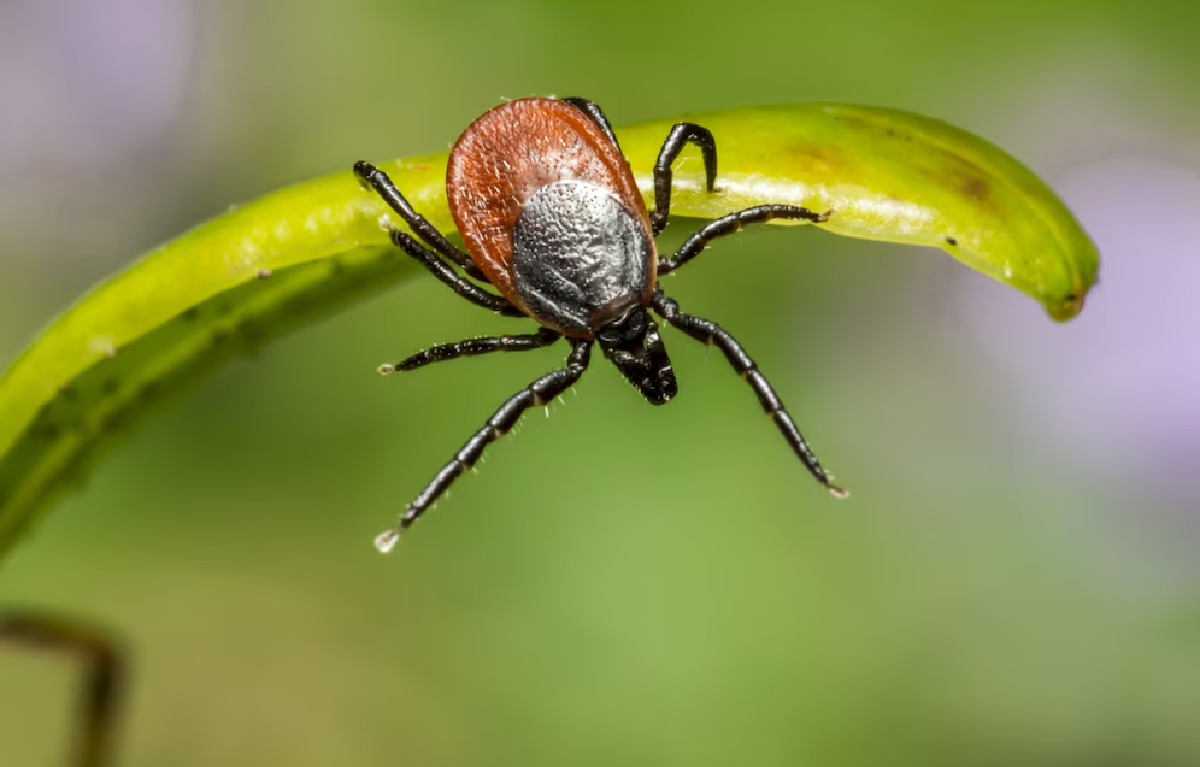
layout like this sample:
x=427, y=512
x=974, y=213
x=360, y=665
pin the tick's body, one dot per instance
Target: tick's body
x=550, y=213
x=552, y=218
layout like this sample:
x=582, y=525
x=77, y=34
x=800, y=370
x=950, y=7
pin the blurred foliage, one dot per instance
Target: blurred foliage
x=619, y=584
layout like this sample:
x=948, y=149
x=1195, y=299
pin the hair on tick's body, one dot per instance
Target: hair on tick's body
x=552, y=219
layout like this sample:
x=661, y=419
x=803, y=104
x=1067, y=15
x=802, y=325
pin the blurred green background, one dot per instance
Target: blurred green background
x=1013, y=581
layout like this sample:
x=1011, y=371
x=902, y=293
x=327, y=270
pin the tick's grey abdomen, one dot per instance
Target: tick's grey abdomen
x=579, y=255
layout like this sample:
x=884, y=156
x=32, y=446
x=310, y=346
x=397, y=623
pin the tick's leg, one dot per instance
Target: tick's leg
x=733, y=223
x=453, y=279
x=711, y=333
x=473, y=347
x=537, y=393
x=597, y=115
x=100, y=695
x=373, y=177
x=681, y=133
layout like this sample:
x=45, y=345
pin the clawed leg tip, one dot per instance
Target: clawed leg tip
x=386, y=369
x=838, y=492
x=363, y=171
x=386, y=541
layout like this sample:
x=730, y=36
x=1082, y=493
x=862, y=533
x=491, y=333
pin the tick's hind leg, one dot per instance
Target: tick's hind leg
x=681, y=134
x=593, y=111
x=709, y=332
x=537, y=393
x=473, y=347
x=373, y=177
x=100, y=695
x=731, y=224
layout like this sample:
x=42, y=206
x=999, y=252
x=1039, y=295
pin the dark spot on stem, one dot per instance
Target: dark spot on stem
x=251, y=333
x=975, y=187
x=815, y=159
x=150, y=391
x=116, y=420
x=46, y=431
x=951, y=241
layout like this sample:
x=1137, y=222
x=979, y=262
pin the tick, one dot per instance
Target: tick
x=552, y=219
